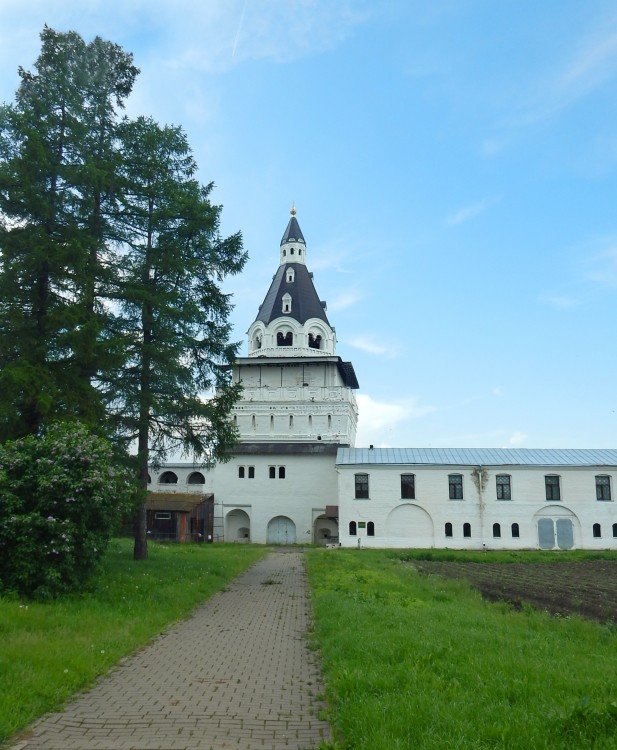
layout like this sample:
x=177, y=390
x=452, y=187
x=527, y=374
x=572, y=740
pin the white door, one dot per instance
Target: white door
x=281, y=530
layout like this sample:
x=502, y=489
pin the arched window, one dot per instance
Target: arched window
x=291, y=251
x=271, y=422
x=597, y=531
x=253, y=422
x=448, y=529
x=515, y=531
x=291, y=421
x=284, y=339
x=286, y=303
x=284, y=253
x=196, y=478
x=496, y=530
x=299, y=251
x=615, y=530
x=370, y=529
x=329, y=421
x=466, y=529
x=290, y=275
x=352, y=528
x=240, y=472
x=168, y=477
x=281, y=472
x=314, y=341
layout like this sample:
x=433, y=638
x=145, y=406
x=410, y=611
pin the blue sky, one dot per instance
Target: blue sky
x=454, y=168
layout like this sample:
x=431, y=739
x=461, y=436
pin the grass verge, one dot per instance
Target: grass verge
x=49, y=651
x=423, y=662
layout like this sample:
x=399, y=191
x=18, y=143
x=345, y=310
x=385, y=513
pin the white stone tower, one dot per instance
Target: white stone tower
x=298, y=406
x=295, y=387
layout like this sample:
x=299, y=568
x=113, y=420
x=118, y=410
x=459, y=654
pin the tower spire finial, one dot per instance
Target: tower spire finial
x=293, y=208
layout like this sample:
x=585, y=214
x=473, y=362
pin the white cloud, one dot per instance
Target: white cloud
x=378, y=420
x=605, y=272
x=497, y=391
x=470, y=212
x=517, y=438
x=344, y=300
x=369, y=345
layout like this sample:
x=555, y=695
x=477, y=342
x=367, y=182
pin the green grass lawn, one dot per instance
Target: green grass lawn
x=49, y=651
x=416, y=662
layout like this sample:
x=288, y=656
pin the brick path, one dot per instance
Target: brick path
x=237, y=674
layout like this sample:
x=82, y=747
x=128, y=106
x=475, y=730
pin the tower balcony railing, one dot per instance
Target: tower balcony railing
x=290, y=351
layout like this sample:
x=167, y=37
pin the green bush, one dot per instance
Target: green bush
x=61, y=499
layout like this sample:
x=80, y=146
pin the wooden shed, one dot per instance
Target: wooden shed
x=180, y=516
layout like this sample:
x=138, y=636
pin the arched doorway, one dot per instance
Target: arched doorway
x=557, y=527
x=281, y=530
x=325, y=530
x=237, y=526
x=411, y=524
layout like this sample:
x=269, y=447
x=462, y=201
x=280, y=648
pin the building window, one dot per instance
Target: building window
x=251, y=472
x=290, y=275
x=149, y=479
x=466, y=529
x=272, y=472
x=291, y=422
x=551, y=483
x=281, y=472
x=603, y=487
x=168, y=477
x=361, y=486
x=515, y=531
x=370, y=529
x=284, y=339
x=615, y=530
x=240, y=472
x=352, y=528
x=455, y=483
x=496, y=531
x=504, y=491
x=286, y=303
x=448, y=529
x=597, y=531
x=314, y=341
x=408, y=487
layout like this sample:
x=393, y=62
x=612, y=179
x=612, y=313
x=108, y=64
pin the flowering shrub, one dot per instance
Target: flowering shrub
x=61, y=499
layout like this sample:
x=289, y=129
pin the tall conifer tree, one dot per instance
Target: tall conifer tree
x=174, y=392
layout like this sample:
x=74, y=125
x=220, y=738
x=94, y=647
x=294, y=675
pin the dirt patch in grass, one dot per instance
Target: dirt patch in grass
x=586, y=588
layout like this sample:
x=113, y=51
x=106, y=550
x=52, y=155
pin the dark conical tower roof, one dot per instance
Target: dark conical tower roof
x=293, y=233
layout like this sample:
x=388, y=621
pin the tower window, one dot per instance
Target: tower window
x=284, y=339
x=290, y=275
x=314, y=341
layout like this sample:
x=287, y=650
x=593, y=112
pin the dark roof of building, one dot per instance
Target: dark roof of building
x=293, y=233
x=305, y=303
x=551, y=457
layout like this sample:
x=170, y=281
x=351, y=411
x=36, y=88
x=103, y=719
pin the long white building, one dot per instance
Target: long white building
x=295, y=476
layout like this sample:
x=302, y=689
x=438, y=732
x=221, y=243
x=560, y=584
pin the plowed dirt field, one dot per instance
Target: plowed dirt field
x=586, y=588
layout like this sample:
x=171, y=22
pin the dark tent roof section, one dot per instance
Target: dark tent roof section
x=348, y=374
x=305, y=302
x=293, y=233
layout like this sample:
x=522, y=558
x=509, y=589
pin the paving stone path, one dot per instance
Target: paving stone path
x=237, y=674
